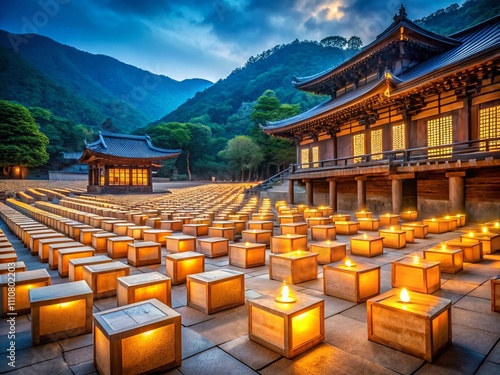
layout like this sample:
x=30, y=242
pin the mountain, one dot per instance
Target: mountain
x=130, y=96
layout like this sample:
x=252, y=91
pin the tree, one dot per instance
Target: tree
x=354, y=43
x=334, y=41
x=244, y=153
x=22, y=143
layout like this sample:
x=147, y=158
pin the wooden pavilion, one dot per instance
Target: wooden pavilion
x=412, y=122
x=120, y=163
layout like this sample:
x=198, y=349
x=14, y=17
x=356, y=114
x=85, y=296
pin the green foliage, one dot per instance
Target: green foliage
x=354, y=43
x=243, y=153
x=334, y=41
x=22, y=141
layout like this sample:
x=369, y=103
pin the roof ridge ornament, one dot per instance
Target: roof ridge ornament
x=402, y=13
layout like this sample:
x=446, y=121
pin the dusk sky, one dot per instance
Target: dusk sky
x=200, y=38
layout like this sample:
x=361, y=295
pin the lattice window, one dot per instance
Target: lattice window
x=489, y=127
x=101, y=176
x=140, y=176
x=439, y=132
x=315, y=156
x=119, y=176
x=398, y=137
x=358, y=143
x=376, y=144
x=304, y=157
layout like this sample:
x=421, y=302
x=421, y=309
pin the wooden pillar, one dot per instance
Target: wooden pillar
x=397, y=196
x=291, y=196
x=332, y=190
x=361, y=193
x=309, y=193
x=456, y=192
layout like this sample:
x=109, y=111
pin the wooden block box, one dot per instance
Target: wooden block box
x=157, y=235
x=86, y=235
x=356, y=282
x=312, y=221
x=472, y=248
x=247, y=254
x=347, y=227
x=144, y=337
x=100, y=241
x=144, y=253
x=294, y=267
x=137, y=232
x=120, y=229
x=294, y=228
x=367, y=246
x=144, y=286
x=54, y=252
x=421, y=327
x=117, y=247
x=419, y=230
x=260, y=224
x=328, y=251
x=75, y=266
x=323, y=233
x=437, y=226
x=388, y=220
x=102, y=278
x=180, y=243
x=451, y=258
x=393, y=238
x=288, y=242
x=361, y=214
x=12, y=267
x=226, y=232
x=173, y=225
x=495, y=293
x=213, y=247
x=179, y=265
x=65, y=255
x=409, y=215
x=60, y=311
x=259, y=235
x=421, y=276
x=43, y=246
x=34, y=238
x=195, y=230
x=215, y=291
x=368, y=223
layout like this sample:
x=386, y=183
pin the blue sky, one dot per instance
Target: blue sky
x=200, y=38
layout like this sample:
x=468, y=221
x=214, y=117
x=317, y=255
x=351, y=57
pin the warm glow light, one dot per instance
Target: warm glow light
x=497, y=224
x=415, y=259
x=433, y=219
x=328, y=242
x=392, y=229
x=471, y=234
x=485, y=230
x=404, y=296
x=387, y=215
x=458, y=215
x=147, y=333
x=365, y=236
x=446, y=217
x=247, y=244
x=288, y=234
x=285, y=295
x=409, y=212
x=363, y=211
x=348, y=263
x=443, y=247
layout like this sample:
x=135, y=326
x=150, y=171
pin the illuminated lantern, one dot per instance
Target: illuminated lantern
x=437, y=226
x=367, y=246
x=138, y=338
x=451, y=258
x=260, y=224
x=75, y=265
x=43, y=246
x=323, y=233
x=423, y=276
x=294, y=267
x=157, y=235
x=355, y=282
x=180, y=243
x=102, y=277
x=213, y=247
x=144, y=286
x=65, y=255
x=60, y=311
x=179, y=265
x=328, y=251
x=347, y=227
x=86, y=235
x=215, y=291
x=117, y=247
x=409, y=215
x=393, y=238
x=418, y=324
x=262, y=235
x=247, y=255
x=471, y=246
x=286, y=243
x=419, y=230
x=363, y=213
x=100, y=241
x=54, y=252
x=288, y=328
x=367, y=223
x=144, y=253
x=195, y=230
x=226, y=232
x=388, y=219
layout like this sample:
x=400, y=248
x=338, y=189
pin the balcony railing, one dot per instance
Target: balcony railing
x=476, y=149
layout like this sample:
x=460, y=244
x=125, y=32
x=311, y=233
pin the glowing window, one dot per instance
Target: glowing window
x=119, y=176
x=489, y=127
x=304, y=157
x=315, y=156
x=398, y=137
x=358, y=142
x=140, y=176
x=376, y=144
x=439, y=132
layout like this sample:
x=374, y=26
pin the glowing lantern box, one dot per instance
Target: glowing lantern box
x=294, y=228
x=495, y=293
x=179, y=265
x=260, y=224
x=54, y=252
x=460, y=219
x=153, y=222
x=312, y=221
x=323, y=233
x=420, y=276
x=102, y=277
x=437, y=226
x=222, y=224
x=138, y=338
x=287, y=328
x=173, y=225
x=340, y=217
x=180, y=243
x=419, y=230
x=117, y=247
x=34, y=238
x=452, y=221
x=420, y=327
x=65, y=255
x=157, y=235
x=195, y=230
x=215, y=291
x=409, y=215
x=288, y=219
x=361, y=214
x=86, y=235
x=226, y=232
x=393, y=238
x=24, y=281
x=213, y=247
x=139, y=219
x=355, y=282
x=367, y=246
x=12, y=267
x=247, y=254
x=239, y=225
x=347, y=227
x=137, y=232
x=368, y=223
x=294, y=267
x=60, y=311
x=410, y=233
x=387, y=220
x=108, y=225
x=312, y=212
x=451, y=258
x=490, y=241
x=144, y=253
x=259, y=235
x=120, y=229
x=328, y=251
x=75, y=265
x=472, y=248
x=100, y=241
x=288, y=242
x=144, y=286
x=43, y=246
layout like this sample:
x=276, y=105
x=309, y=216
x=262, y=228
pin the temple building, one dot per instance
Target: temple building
x=120, y=163
x=412, y=122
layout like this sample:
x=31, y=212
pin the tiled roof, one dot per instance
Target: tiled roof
x=129, y=146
